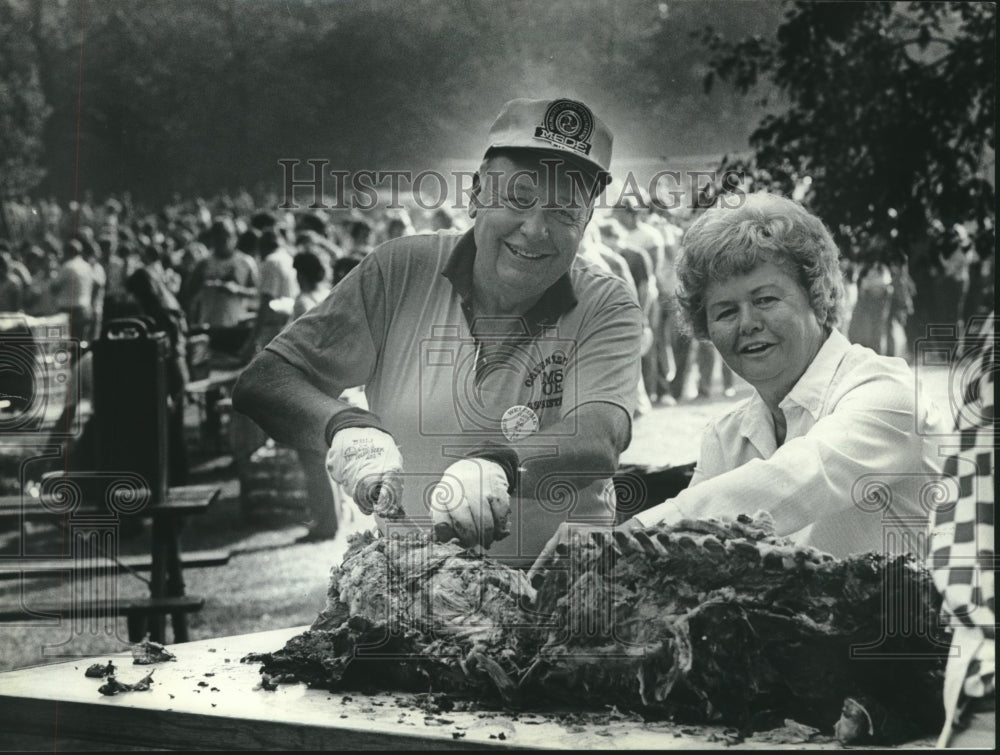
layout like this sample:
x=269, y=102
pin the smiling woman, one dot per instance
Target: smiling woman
x=765, y=329
x=833, y=442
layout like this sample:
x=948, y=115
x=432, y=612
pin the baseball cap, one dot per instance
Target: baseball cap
x=562, y=126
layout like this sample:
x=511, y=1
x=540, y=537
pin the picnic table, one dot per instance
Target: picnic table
x=92, y=554
x=210, y=394
x=208, y=699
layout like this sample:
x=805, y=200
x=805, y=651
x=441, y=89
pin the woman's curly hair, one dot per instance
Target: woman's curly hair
x=727, y=241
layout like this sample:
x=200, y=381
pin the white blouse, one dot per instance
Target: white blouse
x=860, y=468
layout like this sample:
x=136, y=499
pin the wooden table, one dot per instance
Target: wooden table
x=208, y=699
x=87, y=560
x=207, y=393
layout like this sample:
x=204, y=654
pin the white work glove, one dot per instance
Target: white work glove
x=471, y=503
x=368, y=464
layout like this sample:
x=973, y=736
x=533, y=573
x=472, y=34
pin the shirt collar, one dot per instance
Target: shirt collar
x=809, y=392
x=758, y=427
x=557, y=300
x=811, y=389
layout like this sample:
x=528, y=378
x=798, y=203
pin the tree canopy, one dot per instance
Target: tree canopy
x=888, y=110
x=197, y=96
x=23, y=110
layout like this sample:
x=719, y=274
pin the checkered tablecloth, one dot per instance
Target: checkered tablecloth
x=961, y=539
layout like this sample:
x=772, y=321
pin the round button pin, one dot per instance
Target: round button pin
x=518, y=422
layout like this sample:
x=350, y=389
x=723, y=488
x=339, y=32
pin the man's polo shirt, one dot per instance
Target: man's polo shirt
x=399, y=324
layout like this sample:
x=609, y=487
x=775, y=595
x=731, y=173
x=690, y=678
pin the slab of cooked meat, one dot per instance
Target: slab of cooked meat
x=705, y=621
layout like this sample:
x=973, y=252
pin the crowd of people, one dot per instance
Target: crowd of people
x=227, y=264
x=223, y=268
x=241, y=269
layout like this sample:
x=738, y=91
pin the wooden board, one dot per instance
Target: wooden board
x=187, y=499
x=17, y=567
x=215, y=379
x=207, y=699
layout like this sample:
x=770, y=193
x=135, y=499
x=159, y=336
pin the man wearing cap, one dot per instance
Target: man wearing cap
x=500, y=369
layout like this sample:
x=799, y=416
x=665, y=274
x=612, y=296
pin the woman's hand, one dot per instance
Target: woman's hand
x=568, y=536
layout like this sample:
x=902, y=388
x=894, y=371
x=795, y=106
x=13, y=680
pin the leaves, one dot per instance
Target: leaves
x=171, y=96
x=22, y=106
x=891, y=107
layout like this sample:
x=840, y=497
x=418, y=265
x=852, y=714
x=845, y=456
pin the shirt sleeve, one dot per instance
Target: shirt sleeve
x=337, y=342
x=711, y=459
x=811, y=476
x=605, y=366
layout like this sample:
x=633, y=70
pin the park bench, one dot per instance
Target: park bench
x=14, y=567
x=135, y=610
x=90, y=523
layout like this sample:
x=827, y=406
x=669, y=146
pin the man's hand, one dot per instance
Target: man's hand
x=368, y=464
x=565, y=537
x=471, y=503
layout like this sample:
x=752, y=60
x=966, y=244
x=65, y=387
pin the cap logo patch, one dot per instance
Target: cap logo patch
x=568, y=125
